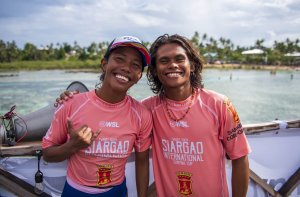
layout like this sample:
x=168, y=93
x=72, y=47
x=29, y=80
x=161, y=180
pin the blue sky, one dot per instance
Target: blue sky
x=42, y=22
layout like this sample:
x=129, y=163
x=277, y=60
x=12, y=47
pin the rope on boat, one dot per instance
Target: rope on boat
x=10, y=127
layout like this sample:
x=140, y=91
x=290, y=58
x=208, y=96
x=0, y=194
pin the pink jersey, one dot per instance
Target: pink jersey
x=189, y=155
x=124, y=126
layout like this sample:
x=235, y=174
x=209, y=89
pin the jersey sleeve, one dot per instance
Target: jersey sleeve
x=57, y=133
x=143, y=140
x=231, y=132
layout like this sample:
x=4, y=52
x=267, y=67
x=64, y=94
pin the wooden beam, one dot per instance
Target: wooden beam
x=18, y=186
x=258, y=128
x=289, y=186
x=20, y=149
x=263, y=184
x=293, y=124
x=268, y=126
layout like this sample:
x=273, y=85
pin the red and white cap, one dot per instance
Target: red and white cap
x=130, y=41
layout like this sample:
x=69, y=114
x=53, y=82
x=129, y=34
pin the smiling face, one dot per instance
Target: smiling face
x=122, y=69
x=173, y=67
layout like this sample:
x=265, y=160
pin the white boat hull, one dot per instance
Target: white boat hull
x=275, y=157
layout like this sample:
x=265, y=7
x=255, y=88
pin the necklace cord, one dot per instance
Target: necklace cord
x=171, y=114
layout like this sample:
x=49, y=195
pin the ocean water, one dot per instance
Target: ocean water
x=257, y=95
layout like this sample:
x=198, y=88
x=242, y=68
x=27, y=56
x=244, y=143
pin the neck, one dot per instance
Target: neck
x=110, y=96
x=179, y=94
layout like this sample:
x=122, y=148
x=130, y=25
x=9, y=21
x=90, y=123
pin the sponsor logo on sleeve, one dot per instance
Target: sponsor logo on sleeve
x=233, y=133
x=231, y=109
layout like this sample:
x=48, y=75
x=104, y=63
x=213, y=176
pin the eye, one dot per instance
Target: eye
x=119, y=58
x=136, y=66
x=164, y=60
x=180, y=58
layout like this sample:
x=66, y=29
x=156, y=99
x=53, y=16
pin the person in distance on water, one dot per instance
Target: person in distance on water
x=97, y=131
x=193, y=128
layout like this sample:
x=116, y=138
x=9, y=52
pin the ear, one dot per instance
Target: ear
x=154, y=72
x=141, y=74
x=192, y=66
x=104, y=62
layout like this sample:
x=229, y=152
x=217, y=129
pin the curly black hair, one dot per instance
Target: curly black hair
x=192, y=53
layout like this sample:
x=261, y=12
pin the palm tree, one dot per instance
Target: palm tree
x=196, y=39
x=259, y=43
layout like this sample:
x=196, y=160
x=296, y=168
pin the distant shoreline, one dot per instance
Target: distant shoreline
x=91, y=67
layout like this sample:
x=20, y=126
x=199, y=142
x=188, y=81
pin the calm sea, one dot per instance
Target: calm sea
x=257, y=95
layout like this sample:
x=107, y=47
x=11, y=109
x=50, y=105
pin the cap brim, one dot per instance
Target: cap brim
x=141, y=48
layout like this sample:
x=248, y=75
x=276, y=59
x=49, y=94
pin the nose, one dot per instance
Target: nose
x=126, y=67
x=173, y=64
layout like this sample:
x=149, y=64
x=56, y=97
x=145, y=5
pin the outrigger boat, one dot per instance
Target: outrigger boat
x=274, y=161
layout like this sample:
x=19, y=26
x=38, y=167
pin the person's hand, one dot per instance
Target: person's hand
x=83, y=137
x=65, y=96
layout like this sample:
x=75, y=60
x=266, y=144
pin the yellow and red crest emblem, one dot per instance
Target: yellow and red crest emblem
x=104, y=174
x=184, y=183
x=232, y=110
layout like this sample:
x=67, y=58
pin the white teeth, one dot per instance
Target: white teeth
x=122, y=77
x=173, y=74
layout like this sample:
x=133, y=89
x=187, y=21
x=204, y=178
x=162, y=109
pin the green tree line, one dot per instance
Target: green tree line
x=9, y=52
x=220, y=50
x=226, y=51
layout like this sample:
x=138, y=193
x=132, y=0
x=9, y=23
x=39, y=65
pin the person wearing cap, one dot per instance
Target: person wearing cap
x=97, y=131
x=193, y=128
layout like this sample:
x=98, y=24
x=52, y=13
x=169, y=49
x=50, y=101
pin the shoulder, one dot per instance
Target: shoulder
x=212, y=101
x=151, y=102
x=81, y=98
x=141, y=111
x=137, y=105
x=76, y=101
x=208, y=96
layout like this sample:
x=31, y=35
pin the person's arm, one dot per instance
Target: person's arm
x=59, y=153
x=142, y=172
x=79, y=139
x=240, y=176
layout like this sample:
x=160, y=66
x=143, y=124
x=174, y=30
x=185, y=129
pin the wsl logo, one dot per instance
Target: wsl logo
x=109, y=124
x=178, y=124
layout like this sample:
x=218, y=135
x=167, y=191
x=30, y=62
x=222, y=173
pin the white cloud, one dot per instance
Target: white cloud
x=143, y=21
x=242, y=21
x=155, y=8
